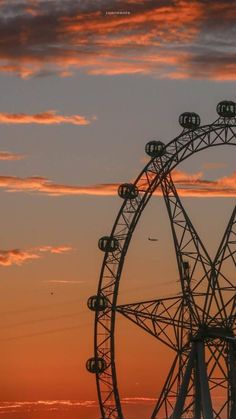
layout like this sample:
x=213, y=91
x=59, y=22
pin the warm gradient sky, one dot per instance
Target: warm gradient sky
x=84, y=85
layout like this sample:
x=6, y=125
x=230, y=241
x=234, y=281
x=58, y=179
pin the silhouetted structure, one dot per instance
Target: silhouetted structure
x=199, y=323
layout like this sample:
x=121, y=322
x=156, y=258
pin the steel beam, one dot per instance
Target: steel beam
x=179, y=406
x=206, y=403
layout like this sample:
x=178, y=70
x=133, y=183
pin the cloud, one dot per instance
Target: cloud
x=171, y=38
x=18, y=256
x=64, y=281
x=44, y=405
x=70, y=405
x=196, y=186
x=213, y=165
x=56, y=249
x=42, y=185
x=191, y=185
x=6, y=155
x=138, y=400
x=44, y=118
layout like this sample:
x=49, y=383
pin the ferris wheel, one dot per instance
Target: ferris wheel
x=198, y=324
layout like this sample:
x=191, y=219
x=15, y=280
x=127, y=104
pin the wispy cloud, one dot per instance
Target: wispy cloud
x=213, y=165
x=44, y=405
x=138, y=400
x=197, y=186
x=171, y=38
x=70, y=405
x=55, y=249
x=42, y=185
x=191, y=185
x=49, y=117
x=6, y=155
x=20, y=256
x=64, y=281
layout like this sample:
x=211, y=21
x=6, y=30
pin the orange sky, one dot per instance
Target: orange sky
x=85, y=85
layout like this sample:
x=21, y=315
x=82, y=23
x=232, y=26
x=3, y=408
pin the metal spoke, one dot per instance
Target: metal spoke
x=163, y=319
x=189, y=249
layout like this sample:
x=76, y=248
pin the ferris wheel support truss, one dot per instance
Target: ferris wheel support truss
x=199, y=323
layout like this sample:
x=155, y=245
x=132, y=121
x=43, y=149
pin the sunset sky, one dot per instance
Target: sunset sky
x=84, y=85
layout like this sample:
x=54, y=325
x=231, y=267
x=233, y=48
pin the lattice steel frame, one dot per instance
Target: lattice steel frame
x=200, y=304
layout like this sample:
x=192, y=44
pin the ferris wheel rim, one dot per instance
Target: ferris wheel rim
x=192, y=136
